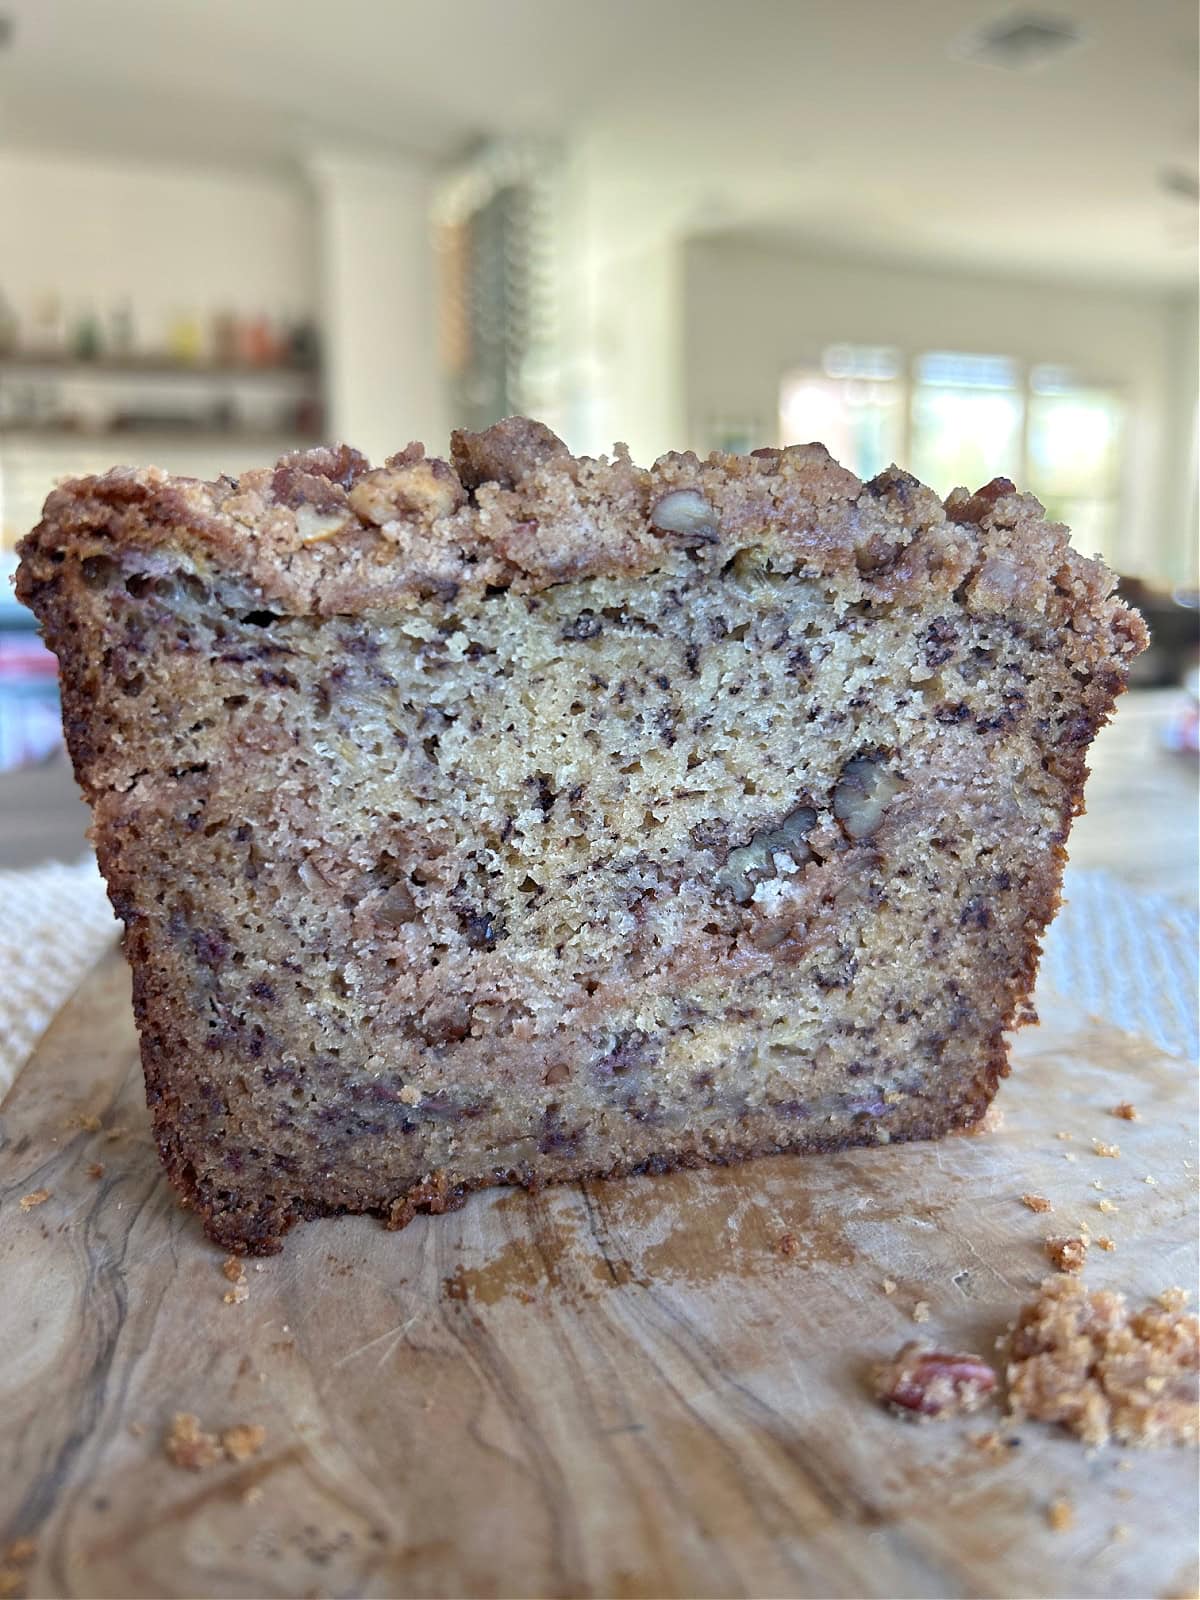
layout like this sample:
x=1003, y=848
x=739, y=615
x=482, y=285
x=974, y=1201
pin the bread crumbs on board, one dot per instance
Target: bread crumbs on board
x=191, y=1447
x=188, y=1446
x=243, y=1440
x=1060, y=1514
x=1036, y=1202
x=1068, y=1254
x=36, y=1197
x=920, y=1312
x=1127, y=1112
x=1112, y=1151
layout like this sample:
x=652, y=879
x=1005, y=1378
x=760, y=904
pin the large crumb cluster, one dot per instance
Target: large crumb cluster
x=1084, y=1360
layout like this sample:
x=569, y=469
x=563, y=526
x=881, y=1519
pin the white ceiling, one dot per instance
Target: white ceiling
x=849, y=123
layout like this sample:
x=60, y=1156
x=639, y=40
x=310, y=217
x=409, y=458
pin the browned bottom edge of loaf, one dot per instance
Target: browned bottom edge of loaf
x=251, y=1226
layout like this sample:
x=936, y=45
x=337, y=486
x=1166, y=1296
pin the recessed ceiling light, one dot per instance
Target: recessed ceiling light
x=1022, y=42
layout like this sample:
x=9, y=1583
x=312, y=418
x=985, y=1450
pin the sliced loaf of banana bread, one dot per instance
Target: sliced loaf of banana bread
x=525, y=817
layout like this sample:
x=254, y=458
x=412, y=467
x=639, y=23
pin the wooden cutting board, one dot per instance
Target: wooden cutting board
x=654, y=1387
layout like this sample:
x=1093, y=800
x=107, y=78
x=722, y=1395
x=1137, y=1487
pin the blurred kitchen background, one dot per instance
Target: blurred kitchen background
x=959, y=234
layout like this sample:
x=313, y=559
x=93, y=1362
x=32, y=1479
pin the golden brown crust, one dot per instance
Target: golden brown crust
x=322, y=533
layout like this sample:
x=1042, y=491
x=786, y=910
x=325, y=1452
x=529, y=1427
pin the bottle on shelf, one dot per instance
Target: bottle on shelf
x=121, y=340
x=10, y=326
x=224, y=337
x=303, y=343
x=85, y=336
x=185, y=339
x=260, y=341
x=49, y=324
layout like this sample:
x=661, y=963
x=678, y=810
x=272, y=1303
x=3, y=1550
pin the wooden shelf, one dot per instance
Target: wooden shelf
x=205, y=437
x=63, y=365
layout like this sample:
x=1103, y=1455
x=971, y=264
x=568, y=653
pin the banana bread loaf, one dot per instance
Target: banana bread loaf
x=525, y=817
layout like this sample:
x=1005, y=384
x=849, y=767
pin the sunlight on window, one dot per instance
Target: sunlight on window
x=853, y=405
x=964, y=420
x=1075, y=440
x=967, y=419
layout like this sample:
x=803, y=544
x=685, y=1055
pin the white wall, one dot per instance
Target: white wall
x=622, y=268
x=378, y=304
x=1183, y=454
x=167, y=239
x=756, y=310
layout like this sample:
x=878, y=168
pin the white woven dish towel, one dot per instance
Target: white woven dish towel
x=1126, y=957
x=55, y=923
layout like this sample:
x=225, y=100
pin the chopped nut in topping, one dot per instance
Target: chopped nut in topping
x=687, y=514
x=426, y=488
x=1067, y=1254
x=863, y=793
x=926, y=1384
x=1036, y=1202
x=233, y=1269
x=314, y=526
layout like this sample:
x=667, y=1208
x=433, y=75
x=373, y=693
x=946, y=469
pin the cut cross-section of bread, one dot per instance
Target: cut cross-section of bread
x=528, y=817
